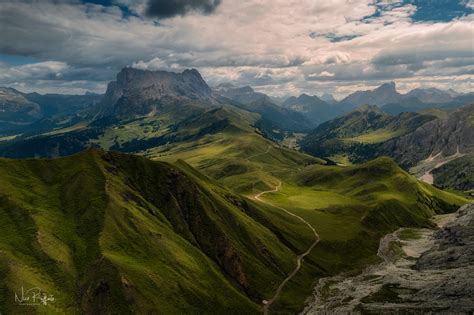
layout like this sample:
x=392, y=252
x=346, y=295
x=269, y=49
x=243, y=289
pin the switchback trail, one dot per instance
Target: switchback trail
x=299, y=258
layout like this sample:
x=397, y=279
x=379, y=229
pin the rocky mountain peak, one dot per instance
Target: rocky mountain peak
x=243, y=95
x=139, y=91
x=384, y=94
x=328, y=98
x=388, y=87
x=169, y=81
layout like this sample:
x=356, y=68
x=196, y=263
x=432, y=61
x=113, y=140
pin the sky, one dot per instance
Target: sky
x=279, y=47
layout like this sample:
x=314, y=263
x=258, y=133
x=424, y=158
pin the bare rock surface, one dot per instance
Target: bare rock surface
x=443, y=137
x=423, y=271
x=140, y=92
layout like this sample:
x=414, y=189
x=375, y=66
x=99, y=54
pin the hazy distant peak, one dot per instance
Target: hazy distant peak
x=384, y=94
x=329, y=98
x=432, y=95
x=244, y=95
x=389, y=86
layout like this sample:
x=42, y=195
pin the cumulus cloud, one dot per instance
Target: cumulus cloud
x=50, y=77
x=42, y=70
x=323, y=74
x=171, y=8
x=264, y=43
x=469, y=4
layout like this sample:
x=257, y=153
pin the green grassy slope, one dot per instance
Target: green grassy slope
x=115, y=233
x=352, y=208
x=364, y=126
x=236, y=154
x=167, y=238
x=224, y=142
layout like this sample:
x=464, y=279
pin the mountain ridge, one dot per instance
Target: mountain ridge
x=365, y=124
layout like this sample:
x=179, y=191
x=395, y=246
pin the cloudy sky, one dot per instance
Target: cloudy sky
x=280, y=47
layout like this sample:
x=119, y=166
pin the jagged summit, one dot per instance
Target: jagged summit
x=188, y=83
x=384, y=94
x=139, y=92
x=245, y=94
x=328, y=98
x=432, y=95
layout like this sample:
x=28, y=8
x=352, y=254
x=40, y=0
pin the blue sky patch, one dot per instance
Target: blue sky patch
x=106, y=3
x=333, y=38
x=427, y=10
x=17, y=60
x=440, y=10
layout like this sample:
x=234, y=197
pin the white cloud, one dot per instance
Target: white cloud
x=468, y=3
x=40, y=70
x=323, y=74
x=265, y=43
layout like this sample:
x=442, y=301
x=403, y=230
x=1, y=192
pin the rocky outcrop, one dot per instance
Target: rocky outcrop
x=440, y=136
x=454, y=245
x=423, y=271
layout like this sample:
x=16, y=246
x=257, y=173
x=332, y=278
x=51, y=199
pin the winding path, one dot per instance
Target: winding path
x=299, y=258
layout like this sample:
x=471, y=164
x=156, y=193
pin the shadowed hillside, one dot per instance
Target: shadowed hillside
x=130, y=235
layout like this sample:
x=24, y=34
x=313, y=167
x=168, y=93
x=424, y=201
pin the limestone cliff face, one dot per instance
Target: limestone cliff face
x=140, y=92
x=443, y=136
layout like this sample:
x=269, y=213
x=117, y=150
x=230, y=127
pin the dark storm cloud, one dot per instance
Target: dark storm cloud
x=170, y=8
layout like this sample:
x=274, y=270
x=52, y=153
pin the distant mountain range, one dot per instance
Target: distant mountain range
x=143, y=110
x=41, y=124
x=140, y=92
x=314, y=108
x=387, y=97
x=31, y=112
x=431, y=143
x=272, y=114
x=320, y=109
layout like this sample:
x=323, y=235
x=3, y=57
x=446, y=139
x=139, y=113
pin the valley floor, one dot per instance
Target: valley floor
x=423, y=270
